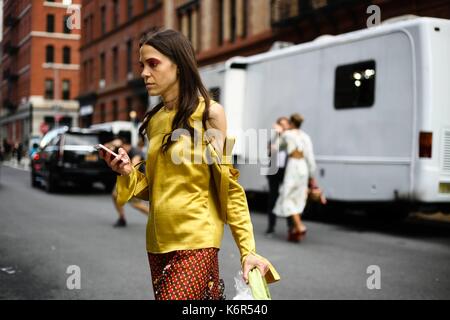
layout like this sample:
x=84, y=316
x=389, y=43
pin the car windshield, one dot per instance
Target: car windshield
x=81, y=139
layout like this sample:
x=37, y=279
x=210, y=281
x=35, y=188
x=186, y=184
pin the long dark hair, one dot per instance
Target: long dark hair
x=179, y=50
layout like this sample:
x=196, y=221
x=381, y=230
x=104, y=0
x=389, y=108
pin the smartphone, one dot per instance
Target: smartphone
x=112, y=154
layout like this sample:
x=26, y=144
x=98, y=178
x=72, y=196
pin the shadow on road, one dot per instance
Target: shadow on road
x=95, y=189
x=359, y=221
x=414, y=226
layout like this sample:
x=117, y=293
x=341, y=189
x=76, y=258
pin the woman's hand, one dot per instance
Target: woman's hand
x=120, y=164
x=251, y=262
x=312, y=183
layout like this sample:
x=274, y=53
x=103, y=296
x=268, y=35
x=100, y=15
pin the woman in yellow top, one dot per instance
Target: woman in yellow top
x=184, y=229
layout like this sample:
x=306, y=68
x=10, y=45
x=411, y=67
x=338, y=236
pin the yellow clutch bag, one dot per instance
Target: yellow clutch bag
x=258, y=285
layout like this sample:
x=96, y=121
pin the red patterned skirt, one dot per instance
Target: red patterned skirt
x=186, y=275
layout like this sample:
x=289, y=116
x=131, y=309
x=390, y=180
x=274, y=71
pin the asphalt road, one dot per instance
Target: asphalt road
x=42, y=234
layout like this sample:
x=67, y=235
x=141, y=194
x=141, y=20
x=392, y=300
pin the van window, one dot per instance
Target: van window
x=354, y=85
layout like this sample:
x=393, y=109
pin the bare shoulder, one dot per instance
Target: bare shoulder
x=216, y=111
x=217, y=118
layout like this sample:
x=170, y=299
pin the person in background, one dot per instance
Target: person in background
x=136, y=155
x=299, y=175
x=19, y=151
x=7, y=149
x=275, y=180
x=185, y=227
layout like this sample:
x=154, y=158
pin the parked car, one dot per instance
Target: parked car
x=67, y=156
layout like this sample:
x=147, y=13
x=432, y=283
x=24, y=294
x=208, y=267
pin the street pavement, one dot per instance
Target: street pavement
x=42, y=234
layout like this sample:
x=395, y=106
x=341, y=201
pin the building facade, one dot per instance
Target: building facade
x=220, y=29
x=111, y=86
x=39, y=68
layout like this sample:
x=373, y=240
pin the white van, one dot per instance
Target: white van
x=121, y=127
x=376, y=104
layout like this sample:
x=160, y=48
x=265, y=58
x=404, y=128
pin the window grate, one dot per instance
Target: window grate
x=446, y=151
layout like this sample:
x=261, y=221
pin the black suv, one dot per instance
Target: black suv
x=67, y=155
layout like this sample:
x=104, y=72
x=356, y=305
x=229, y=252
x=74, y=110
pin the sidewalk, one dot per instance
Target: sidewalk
x=12, y=163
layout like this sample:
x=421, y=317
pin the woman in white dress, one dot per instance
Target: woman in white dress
x=298, y=175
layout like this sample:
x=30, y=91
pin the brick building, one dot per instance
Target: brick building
x=39, y=68
x=218, y=30
x=111, y=86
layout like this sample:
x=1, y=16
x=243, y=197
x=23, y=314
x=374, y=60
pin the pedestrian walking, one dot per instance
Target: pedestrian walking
x=7, y=149
x=184, y=229
x=19, y=151
x=279, y=157
x=299, y=174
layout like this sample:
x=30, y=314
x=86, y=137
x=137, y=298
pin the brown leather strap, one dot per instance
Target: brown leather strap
x=296, y=154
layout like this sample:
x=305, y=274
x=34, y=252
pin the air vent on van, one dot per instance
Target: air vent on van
x=446, y=151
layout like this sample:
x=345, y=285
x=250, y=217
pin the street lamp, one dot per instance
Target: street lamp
x=133, y=117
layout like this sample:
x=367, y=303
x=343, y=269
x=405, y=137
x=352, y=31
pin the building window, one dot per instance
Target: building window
x=232, y=20
x=102, y=113
x=129, y=102
x=102, y=66
x=221, y=11
x=354, y=85
x=129, y=56
x=66, y=55
x=115, y=63
x=50, y=121
x=115, y=110
x=50, y=23
x=91, y=70
x=85, y=30
x=129, y=9
x=103, y=19
x=65, y=26
x=189, y=22
x=66, y=89
x=244, y=18
x=49, y=54
x=65, y=121
x=115, y=14
x=84, y=71
x=49, y=90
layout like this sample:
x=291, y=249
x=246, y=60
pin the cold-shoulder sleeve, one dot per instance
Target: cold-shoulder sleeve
x=133, y=185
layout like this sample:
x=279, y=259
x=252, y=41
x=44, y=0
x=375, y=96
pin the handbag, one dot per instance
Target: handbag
x=258, y=285
x=316, y=195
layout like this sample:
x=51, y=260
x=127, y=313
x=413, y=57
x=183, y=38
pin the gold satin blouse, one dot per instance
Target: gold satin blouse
x=184, y=212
